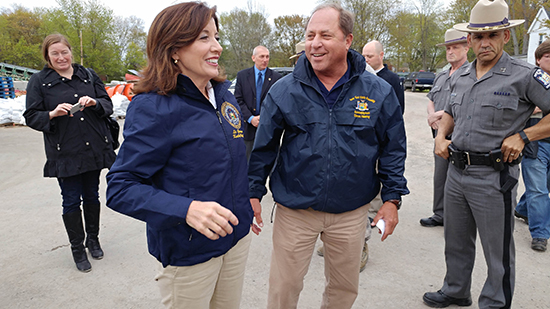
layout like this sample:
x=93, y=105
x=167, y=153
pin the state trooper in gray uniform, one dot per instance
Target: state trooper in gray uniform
x=456, y=49
x=491, y=100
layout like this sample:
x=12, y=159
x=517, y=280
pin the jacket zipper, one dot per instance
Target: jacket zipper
x=231, y=162
x=329, y=165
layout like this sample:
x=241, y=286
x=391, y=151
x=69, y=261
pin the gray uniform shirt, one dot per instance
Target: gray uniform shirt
x=441, y=90
x=498, y=105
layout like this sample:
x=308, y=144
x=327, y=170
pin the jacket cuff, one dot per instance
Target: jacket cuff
x=257, y=194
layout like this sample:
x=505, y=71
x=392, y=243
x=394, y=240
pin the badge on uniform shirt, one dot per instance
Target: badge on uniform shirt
x=543, y=78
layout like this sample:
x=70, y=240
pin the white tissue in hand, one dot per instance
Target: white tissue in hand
x=381, y=225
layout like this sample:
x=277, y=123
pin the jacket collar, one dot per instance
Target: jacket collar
x=50, y=75
x=185, y=87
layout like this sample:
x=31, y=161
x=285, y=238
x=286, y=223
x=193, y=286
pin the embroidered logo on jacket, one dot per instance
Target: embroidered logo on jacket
x=362, y=106
x=231, y=114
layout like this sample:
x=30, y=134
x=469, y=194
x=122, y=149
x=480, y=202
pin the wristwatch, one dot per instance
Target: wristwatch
x=524, y=137
x=397, y=203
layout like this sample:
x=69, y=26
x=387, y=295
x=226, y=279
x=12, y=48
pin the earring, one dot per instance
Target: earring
x=175, y=60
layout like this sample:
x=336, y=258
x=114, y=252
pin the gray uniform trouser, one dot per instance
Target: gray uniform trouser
x=440, y=176
x=473, y=200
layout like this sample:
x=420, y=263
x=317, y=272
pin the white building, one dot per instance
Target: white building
x=538, y=33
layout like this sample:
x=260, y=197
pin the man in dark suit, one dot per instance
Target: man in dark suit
x=374, y=55
x=248, y=94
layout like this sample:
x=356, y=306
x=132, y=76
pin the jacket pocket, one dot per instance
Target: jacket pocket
x=179, y=242
x=498, y=112
x=352, y=125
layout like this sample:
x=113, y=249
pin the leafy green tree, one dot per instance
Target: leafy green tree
x=241, y=31
x=134, y=58
x=100, y=40
x=289, y=31
x=459, y=12
x=20, y=37
x=429, y=32
x=402, y=43
x=372, y=20
x=129, y=30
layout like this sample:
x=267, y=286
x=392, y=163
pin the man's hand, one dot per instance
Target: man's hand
x=211, y=219
x=255, y=121
x=257, y=207
x=441, y=146
x=388, y=212
x=511, y=147
x=434, y=118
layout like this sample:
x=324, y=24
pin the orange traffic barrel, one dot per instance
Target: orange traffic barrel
x=110, y=91
x=128, y=91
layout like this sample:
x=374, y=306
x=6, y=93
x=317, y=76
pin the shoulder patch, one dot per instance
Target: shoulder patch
x=543, y=78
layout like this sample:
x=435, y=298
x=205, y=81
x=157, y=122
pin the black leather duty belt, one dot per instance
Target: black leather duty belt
x=493, y=158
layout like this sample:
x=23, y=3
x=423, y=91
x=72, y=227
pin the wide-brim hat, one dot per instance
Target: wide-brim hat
x=300, y=49
x=489, y=15
x=453, y=36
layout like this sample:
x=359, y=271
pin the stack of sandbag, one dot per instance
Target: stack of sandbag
x=11, y=110
x=120, y=104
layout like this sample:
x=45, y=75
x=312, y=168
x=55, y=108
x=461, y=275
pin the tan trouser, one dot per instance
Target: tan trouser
x=375, y=205
x=295, y=232
x=216, y=283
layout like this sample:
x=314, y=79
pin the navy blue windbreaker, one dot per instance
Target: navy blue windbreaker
x=327, y=157
x=177, y=149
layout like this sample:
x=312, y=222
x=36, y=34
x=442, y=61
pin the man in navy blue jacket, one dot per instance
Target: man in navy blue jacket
x=329, y=124
x=373, y=52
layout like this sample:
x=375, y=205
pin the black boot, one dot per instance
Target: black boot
x=75, y=230
x=91, y=216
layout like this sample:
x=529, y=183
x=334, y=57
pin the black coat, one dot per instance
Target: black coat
x=74, y=145
x=245, y=93
x=393, y=80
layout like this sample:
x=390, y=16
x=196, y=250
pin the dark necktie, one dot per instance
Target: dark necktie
x=259, y=85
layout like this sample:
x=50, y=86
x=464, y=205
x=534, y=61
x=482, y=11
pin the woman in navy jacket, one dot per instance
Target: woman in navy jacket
x=182, y=166
x=77, y=146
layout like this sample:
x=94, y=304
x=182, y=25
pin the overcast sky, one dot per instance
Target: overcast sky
x=147, y=10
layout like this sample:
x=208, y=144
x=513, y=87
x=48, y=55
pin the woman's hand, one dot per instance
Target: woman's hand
x=61, y=110
x=211, y=219
x=86, y=101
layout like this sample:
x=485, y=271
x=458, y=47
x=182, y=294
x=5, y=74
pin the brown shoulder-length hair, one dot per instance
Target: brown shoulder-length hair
x=175, y=27
x=49, y=41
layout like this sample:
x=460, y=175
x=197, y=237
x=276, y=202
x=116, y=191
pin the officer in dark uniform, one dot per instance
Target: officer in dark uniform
x=490, y=103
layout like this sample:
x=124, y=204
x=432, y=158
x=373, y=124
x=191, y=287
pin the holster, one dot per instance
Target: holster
x=496, y=159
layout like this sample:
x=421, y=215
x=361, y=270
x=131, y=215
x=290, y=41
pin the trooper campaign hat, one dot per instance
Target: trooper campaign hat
x=489, y=15
x=453, y=36
x=300, y=49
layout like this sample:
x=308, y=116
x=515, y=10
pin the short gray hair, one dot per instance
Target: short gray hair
x=346, y=18
x=255, y=51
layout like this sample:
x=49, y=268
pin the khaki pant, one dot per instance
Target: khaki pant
x=216, y=283
x=295, y=232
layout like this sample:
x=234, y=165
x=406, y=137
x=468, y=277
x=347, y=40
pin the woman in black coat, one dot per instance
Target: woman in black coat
x=76, y=139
